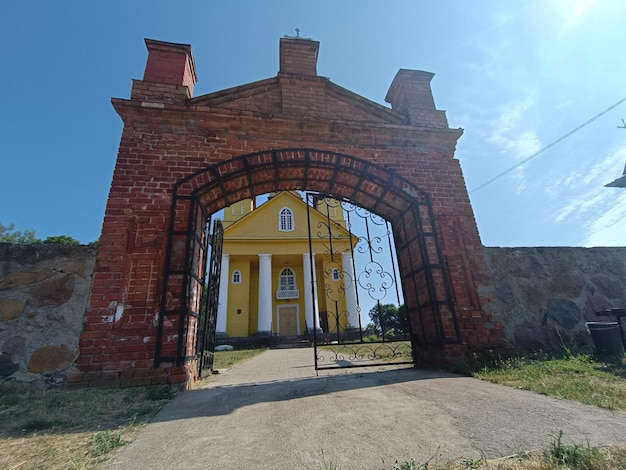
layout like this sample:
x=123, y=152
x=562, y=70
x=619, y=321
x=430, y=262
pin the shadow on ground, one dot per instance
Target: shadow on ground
x=219, y=400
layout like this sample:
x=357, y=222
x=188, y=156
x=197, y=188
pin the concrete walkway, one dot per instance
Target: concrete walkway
x=273, y=412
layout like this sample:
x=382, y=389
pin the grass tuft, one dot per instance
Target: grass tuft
x=104, y=442
x=574, y=456
x=409, y=465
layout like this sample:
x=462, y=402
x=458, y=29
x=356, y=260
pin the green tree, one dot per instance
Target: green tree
x=8, y=234
x=62, y=240
x=389, y=318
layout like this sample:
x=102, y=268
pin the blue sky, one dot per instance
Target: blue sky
x=515, y=75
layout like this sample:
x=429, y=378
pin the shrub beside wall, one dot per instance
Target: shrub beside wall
x=44, y=290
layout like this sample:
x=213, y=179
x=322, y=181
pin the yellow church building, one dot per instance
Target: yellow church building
x=277, y=280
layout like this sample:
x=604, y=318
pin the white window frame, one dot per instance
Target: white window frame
x=286, y=222
x=336, y=275
x=287, y=285
x=287, y=274
x=236, y=278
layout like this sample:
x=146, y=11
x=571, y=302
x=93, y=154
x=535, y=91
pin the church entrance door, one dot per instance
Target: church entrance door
x=288, y=320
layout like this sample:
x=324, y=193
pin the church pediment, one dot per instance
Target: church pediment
x=264, y=223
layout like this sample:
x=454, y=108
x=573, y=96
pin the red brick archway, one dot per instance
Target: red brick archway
x=182, y=158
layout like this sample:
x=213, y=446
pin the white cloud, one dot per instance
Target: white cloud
x=508, y=121
x=525, y=145
x=604, y=209
x=593, y=178
x=512, y=142
x=609, y=228
x=590, y=200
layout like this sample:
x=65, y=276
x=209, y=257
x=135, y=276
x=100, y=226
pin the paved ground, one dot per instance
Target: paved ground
x=272, y=412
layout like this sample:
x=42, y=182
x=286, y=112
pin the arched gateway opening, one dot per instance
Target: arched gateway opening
x=182, y=159
x=422, y=268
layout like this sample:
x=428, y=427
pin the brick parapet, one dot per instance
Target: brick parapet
x=298, y=56
x=155, y=95
x=410, y=94
x=170, y=63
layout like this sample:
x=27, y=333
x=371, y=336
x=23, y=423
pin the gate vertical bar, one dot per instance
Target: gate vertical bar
x=208, y=319
x=309, y=201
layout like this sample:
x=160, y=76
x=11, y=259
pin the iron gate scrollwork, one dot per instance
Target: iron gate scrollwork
x=208, y=317
x=355, y=271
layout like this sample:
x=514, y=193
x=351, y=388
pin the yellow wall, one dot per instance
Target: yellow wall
x=253, y=327
x=332, y=299
x=238, y=299
x=257, y=232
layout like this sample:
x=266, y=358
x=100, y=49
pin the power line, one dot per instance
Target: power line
x=552, y=144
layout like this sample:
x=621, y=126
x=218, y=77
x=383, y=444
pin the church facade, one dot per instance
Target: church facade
x=276, y=279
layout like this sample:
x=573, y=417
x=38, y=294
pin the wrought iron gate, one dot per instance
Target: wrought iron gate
x=356, y=274
x=210, y=300
x=187, y=320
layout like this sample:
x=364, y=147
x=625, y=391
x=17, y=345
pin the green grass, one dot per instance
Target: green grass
x=106, y=441
x=71, y=428
x=582, y=378
x=227, y=359
x=79, y=428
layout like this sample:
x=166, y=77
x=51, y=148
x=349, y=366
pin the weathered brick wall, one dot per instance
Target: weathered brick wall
x=546, y=295
x=43, y=294
x=169, y=136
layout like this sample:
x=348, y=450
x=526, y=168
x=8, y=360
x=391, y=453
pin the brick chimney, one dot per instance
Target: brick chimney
x=410, y=94
x=170, y=63
x=298, y=56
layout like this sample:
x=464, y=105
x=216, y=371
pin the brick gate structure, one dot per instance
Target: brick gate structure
x=183, y=158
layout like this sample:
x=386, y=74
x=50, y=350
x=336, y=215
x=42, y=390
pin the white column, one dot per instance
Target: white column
x=311, y=308
x=350, y=286
x=222, y=307
x=265, y=293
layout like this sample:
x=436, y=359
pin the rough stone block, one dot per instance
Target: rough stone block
x=51, y=359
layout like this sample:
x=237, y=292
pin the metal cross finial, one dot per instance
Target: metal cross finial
x=297, y=36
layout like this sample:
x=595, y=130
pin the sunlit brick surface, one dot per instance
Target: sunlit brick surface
x=250, y=140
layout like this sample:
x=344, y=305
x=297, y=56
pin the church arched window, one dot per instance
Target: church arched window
x=287, y=280
x=285, y=220
x=237, y=277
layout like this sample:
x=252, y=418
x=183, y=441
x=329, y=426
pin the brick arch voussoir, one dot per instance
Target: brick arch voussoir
x=366, y=184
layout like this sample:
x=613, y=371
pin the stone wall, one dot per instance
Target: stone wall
x=44, y=290
x=544, y=298
x=546, y=295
